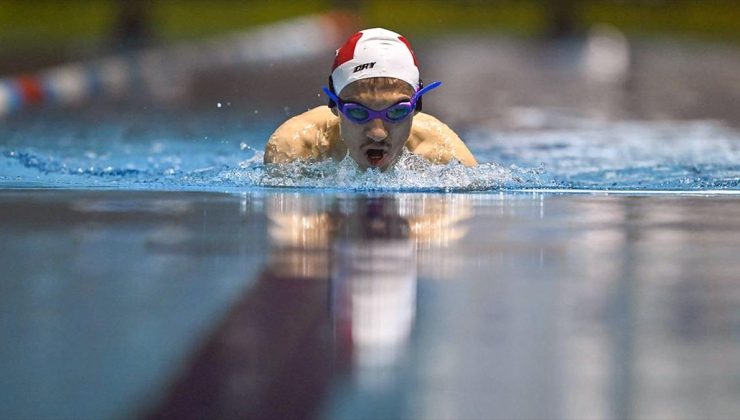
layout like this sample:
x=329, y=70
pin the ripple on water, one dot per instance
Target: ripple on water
x=688, y=156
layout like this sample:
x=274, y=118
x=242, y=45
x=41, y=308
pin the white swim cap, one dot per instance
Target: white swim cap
x=374, y=52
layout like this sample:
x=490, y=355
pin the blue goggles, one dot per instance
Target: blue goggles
x=360, y=114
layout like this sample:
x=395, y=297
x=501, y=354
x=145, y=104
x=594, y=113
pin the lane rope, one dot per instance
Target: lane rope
x=163, y=72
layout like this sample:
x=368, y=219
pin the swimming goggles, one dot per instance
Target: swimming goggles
x=360, y=114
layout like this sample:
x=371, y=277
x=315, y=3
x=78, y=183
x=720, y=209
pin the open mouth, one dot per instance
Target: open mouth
x=375, y=156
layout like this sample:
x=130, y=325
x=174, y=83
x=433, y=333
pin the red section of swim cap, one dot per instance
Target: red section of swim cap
x=408, y=45
x=31, y=89
x=347, y=51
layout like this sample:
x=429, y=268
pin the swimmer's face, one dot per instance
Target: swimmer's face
x=376, y=143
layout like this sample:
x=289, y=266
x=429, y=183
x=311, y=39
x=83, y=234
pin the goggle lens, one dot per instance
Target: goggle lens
x=398, y=112
x=395, y=113
x=357, y=114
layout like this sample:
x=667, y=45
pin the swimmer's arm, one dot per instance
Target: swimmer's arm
x=436, y=142
x=308, y=136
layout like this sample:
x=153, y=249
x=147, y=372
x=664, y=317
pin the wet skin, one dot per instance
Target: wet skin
x=377, y=143
x=324, y=133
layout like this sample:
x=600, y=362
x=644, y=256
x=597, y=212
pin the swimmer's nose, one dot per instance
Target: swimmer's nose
x=375, y=130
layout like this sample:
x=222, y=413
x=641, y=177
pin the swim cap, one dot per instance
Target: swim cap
x=374, y=52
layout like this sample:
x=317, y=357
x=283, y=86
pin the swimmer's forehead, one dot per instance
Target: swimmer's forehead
x=379, y=86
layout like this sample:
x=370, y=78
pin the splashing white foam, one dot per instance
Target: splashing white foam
x=411, y=172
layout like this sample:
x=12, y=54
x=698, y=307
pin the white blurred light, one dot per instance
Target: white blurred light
x=68, y=84
x=6, y=99
x=607, y=55
x=114, y=76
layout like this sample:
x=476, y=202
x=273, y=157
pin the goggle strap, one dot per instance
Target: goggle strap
x=427, y=88
x=331, y=95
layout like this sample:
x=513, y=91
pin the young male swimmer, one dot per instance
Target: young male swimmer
x=373, y=114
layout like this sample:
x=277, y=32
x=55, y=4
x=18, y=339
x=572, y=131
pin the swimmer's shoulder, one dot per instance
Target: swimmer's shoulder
x=311, y=135
x=438, y=143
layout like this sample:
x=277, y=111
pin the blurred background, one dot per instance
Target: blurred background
x=44, y=32
x=503, y=61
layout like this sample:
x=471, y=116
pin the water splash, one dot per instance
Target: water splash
x=668, y=156
x=411, y=173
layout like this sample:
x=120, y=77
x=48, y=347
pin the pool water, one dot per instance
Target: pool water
x=153, y=268
x=221, y=150
x=292, y=303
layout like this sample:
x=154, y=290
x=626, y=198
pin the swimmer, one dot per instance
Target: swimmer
x=374, y=111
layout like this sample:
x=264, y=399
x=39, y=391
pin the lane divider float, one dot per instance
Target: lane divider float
x=163, y=73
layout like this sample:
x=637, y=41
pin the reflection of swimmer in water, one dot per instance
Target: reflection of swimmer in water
x=373, y=286
x=302, y=229
x=279, y=352
x=374, y=111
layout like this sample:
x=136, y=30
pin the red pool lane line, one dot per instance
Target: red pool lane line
x=31, y=89
x=271, y=358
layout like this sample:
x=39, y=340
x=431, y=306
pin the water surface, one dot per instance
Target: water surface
x=269, y=304
x=222, y=151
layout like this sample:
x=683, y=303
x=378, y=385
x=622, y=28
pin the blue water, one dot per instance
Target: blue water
x=221, y=150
